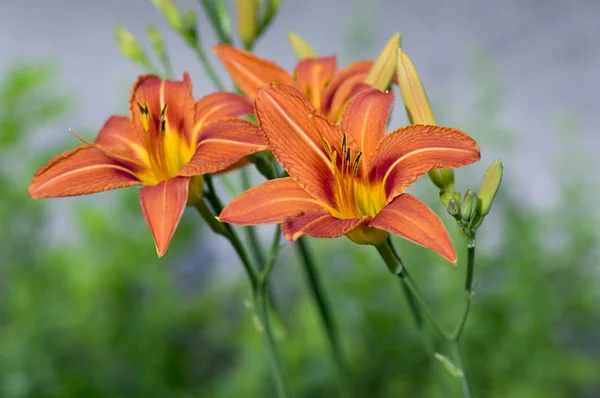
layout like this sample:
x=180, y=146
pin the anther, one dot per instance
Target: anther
x=348, y=157
x=344, y=139
x=356, y=163
x=327, y=146
x=145, y=112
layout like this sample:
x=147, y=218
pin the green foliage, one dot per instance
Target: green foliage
x=87, y=310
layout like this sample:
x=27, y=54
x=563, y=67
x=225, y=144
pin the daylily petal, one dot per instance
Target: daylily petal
x=270, y=202
x=318, y=224
x=146, y=89
x=346, y=91
x=177, y=95
x=162, y=206
x=222, y=143
x=366, y=118
x=219, y=105
x=248, y=71
x=284, y=115
x=83, y=170
x=119, y=138
x=411, y=219
x=408, y=153
x=312, y=75
x=359, y=68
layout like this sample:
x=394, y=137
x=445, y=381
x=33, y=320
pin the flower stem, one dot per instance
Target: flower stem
x=318, y=293
x=212, y=75
x=419, y=306
x=261, y=297
x=250, y=230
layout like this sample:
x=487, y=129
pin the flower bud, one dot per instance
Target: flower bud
x=130, y=48
x=453, y=207
x=489, y=187
x=443, y=179
x=382, y=72
x=189, y=30
x=413, y=93
x=300, y=47
x=468, y=207
x=168, y=9
x=445, y=196
x=247, y=20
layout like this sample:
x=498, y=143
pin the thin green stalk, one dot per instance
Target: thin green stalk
x=261, y=297
x=318, y=293
x=212, y=75
x=216, y=11
x=395, y=265
x=250, y=230
x=468, y=288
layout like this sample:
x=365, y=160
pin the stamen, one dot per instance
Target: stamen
x=344, y=142
x=145, y=112
x=327, y=146
x=348, y=157
x=356, y=163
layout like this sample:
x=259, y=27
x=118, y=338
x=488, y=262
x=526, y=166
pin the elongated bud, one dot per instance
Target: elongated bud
x=468, y=207
x=158, y=45
x=453, y=207
x=172, y=15
x=189, y=27
x=489, y=187
x=419, y=111
x=382, y=72
x=413, y=93
x=300, y=47
x=270, y=12
x=247, y=20
x=130, y=48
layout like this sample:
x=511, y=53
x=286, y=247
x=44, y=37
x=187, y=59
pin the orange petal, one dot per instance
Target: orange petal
x=81, y=171
x=318, y=224
x=222, y=143
x=411, y=219
x=162, y=206
x=270, y=202
x=118, y=138
x=219, y=105
x=156, y=93
x=248, y=71
x=284, y=115
x=408, y=153
x=312, y=75
x=356, y=71
x=366, y=119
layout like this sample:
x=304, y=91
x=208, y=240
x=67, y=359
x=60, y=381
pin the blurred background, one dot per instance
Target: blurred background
x=87, y=310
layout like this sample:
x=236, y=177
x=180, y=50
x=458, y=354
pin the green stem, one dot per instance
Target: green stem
x=261, y=297
x=468, y=288
x=250, y=230
x=396, y=267
x=318, y=293
x=209, y=217
x=212, y=75
x=218, y=18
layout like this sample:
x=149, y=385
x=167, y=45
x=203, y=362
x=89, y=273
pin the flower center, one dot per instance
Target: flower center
x=167, y=150
x=355, y=195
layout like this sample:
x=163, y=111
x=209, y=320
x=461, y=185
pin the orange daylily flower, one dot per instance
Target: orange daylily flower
x=327, y=88
x=349, y=179
x=166, y=140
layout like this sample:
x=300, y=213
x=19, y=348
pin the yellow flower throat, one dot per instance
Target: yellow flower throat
x=166, y=149
x=355, y=196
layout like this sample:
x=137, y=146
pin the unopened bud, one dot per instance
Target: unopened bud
x=445, y=196
x=130, y=48
x=300, y=47
x=247, y=20
x=468, y=207
x=442, y=178
x=453, y=207
x=189, y=27
x=382, y=72
x=172, y=15
x=270, y=12
x=489, y=187
x=413, y=93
